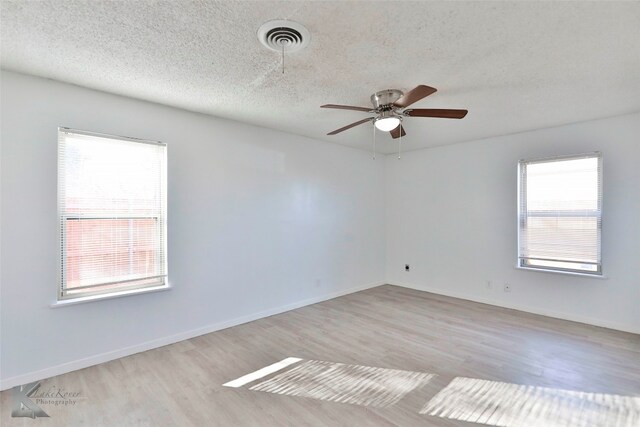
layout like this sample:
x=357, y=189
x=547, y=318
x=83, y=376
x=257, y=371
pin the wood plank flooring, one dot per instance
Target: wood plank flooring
x=384, y=327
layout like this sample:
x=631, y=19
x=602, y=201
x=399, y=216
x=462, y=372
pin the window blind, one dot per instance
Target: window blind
x=112, y=205
x=560, y=214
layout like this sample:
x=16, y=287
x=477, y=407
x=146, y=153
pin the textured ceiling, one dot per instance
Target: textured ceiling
x=515, y=65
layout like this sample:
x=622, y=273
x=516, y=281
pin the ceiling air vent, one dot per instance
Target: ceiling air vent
x=283, y=35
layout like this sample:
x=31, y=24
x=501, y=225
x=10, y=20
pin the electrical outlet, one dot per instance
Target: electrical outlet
x=406, y=267
x=507, y=287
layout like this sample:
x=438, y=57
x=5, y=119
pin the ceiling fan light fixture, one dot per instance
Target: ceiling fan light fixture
x=390, y=106
x=386, y=124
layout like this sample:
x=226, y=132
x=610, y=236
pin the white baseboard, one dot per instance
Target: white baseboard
x=160, y=342
x=520, y=307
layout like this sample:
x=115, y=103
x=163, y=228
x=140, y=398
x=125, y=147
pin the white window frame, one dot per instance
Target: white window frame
x=158, y=283
x=522, y=261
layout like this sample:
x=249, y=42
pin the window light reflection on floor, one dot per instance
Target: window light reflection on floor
x=504, y=404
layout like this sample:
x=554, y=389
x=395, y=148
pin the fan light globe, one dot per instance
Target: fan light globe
x=387, y=124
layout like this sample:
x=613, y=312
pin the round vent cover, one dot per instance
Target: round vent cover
x=282, y=34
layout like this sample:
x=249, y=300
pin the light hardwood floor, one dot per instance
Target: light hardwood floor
x=387, y=327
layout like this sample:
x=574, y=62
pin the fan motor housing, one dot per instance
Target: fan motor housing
x=385, y=98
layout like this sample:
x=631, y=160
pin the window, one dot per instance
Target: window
x=560, y=214
x=112, y=207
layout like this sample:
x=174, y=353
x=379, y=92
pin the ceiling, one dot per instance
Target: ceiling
x=515, y=66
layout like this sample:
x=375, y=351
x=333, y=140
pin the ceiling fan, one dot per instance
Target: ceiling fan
x=390, y=107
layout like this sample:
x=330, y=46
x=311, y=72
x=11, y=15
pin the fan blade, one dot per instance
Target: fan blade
x=414, y=95
x=398, y=132
x=346, y=107
x=350, y=126
x=432, y=112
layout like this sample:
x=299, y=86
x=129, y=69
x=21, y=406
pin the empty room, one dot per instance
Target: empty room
x=319, y=213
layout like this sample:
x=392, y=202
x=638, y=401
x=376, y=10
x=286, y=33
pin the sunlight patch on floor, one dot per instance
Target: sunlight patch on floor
x=504, y=404
x=343, y=383
x=261, y=373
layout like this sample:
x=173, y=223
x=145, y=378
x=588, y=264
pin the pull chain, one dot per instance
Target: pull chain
x=400, y=141
x=374, y=140
x=282, y=43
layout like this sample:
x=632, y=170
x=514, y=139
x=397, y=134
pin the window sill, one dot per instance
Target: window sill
x=567, y=273
x=91, y=298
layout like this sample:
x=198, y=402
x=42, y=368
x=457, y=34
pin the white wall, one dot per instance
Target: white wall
x=262, y=221
x=259, y=221
x=451, y=215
